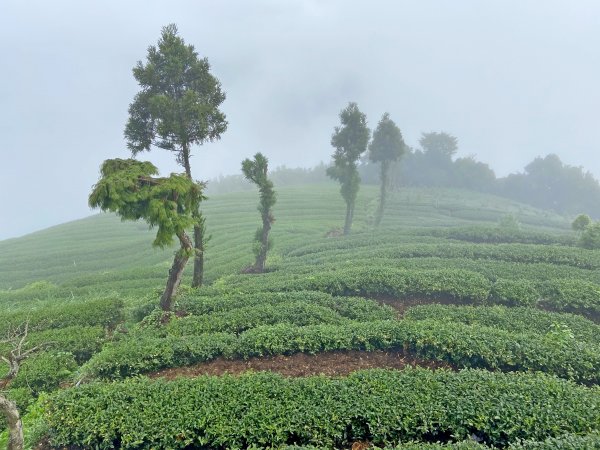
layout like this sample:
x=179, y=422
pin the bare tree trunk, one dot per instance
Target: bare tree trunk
x=15, y=426
x=384, y=182
x=176, y=271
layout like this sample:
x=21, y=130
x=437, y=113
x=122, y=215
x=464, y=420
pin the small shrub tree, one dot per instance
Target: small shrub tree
x=256, y=171
x=127, y=187
x=350, y=141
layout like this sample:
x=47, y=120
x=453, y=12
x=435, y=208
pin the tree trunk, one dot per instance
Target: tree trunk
x=199, y=241
x=349, y=215
x=261, y=258
x=199, y=230
x=176, y=271
x=15, y=426
x=384, y=182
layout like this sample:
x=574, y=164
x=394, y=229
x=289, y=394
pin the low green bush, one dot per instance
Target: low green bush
x=514, y=293
x=577, y=296
x=267, y=410
x=248, y=317
x=354, y=308
x=375, y=281
x=81, y=341
x=98, y=312
x=457, y=343
x=44, y=372
x=514, y=320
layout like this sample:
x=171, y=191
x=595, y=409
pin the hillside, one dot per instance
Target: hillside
x=465, y=329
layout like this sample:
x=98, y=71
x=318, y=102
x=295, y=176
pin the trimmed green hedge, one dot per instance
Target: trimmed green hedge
x=459, y=344
x=374, y=281
x=515, y=320
x=98, y=312
x=265, y=409
x=572, y=295
x=354, y=308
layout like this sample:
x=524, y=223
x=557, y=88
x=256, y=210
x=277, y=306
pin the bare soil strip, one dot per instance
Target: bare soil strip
x=334, y=363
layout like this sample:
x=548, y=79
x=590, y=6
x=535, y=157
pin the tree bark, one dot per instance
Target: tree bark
x=349, y=216
x=199, y=253
x=176, y=271
x=199, y=230
x=384, y=183
x=261, y=258
x=15, y=426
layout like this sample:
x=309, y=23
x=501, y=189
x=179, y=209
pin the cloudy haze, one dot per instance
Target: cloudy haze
x=511, y=79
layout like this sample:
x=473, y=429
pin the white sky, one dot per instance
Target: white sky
x=512, y=79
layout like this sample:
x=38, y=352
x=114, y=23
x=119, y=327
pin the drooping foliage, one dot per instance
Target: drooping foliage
x=176, y=108
x=127, y=187
x=350, y=142
x=387, y=146
x=256, y=172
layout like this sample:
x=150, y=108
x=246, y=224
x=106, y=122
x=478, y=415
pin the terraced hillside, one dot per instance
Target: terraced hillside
x=440, y=329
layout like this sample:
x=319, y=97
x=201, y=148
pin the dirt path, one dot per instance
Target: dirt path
x=302, y=364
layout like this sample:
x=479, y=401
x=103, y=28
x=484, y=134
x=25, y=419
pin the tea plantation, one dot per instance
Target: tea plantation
x=491, y=327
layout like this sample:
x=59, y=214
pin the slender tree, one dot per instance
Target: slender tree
x=350, y=141
x=386, y=147
x=17, y=351
x=256, y=171
x=176, y=109
x=127, y=187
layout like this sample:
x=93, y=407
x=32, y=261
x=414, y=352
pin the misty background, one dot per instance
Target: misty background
x=511, y=79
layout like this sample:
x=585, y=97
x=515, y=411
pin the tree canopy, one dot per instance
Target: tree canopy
x=127, y=187
x=387, y=144
x=178, y=104
x=439, y=146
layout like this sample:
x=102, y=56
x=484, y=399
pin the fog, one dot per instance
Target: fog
x=512, y=79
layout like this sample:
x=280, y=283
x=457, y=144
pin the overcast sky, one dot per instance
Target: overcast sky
x=512, y=79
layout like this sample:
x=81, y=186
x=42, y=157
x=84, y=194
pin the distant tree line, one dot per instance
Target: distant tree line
x=546, y=182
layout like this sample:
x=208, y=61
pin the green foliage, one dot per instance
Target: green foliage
x=350, y=142
x=514, y=293
x=439, y=146
x=514, y=320
x=590, y=237
x=178, y=103
x=463, y=345
x=576, y=296
x=379, y=406
x=387, y=144
x=45, y=371
x=256, y=172
x=102, y=312
x=581, y=222
x=126, y=187
x=354, y=308
x=82, y=342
